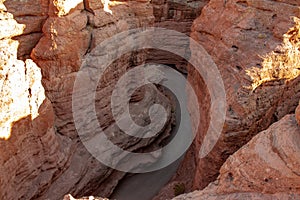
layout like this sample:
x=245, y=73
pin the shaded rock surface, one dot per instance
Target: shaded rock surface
x=32, y=15
x=44, y=157
x=297, y=114
x=59, y=54
x=174, y=15
x=177, y=15
x=260, y=76
x=32, y=154
x=267, y=167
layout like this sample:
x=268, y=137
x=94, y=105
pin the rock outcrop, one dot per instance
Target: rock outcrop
x=67, y=39
x=32, y=154
x=174, y=15
x=177, y=15
x=206, y=195
x=44, y=44
x=261, y=77
x=44, y=157
x=30, y=14
x=265, y=168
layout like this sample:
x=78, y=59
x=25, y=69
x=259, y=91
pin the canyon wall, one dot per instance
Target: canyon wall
x=43, y=156
x=177, y=15
x=32, y=154
x=44, y=43
x=255, y=45
x=174, y=15
x=265, y=168
x=261, y=77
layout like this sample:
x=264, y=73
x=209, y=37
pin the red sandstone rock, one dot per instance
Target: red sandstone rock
x=206, y=195
x=297, y=114
x=265, y=168
x=43, y=157
x=67, y=40
x=178, y=16
x=237, y=34
x=30, y=15
x=32, y=153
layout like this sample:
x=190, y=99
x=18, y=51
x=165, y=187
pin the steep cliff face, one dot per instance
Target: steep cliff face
x=265, y=168
x=32, y=154
x=59, y=53
x=44, y=43
x=261, y=86
x=32, y=15
x=43, y=157
x=175, y=15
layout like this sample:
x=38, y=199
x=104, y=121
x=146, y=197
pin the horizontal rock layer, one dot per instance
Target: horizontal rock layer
x=265, y=168
x=259, y=68
x=44, y=157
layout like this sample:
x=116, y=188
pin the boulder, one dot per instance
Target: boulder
x=267, y=167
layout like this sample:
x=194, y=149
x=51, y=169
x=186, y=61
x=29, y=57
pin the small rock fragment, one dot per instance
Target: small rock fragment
x=297, y=114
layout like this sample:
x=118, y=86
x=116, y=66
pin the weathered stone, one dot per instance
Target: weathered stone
x=30, y=16
x=10, y=26
x=44, y=157
x=177, y=16
x=266, y=168
x=31, y=153
x=297, y=114
x=67, y=41
x=260, y=78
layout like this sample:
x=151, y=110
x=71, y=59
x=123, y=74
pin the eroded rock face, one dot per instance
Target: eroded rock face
x=30, y=14
x=43, y=142
x=174, y=15
x=266, y=168
x=67, y=40
x=31, y=153
x=44, y=157
x=177, y=15
x=246, y=196
x=240, y=37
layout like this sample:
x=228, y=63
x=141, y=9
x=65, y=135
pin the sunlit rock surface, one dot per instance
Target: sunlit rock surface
x=255, y=45
x=265, y=168
x=44, y=43
x=31, y=153
x=42, y=156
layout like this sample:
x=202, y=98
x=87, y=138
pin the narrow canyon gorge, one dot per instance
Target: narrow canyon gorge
x=158, y=99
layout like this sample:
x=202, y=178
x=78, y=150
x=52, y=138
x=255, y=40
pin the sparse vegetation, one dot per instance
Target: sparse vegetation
x=282, y=64
x=179, y=188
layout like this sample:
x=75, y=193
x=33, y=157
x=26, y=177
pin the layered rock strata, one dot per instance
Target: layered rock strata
x=44, y=157
x=265, y=168
x=260, y=73
x=255, y=45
